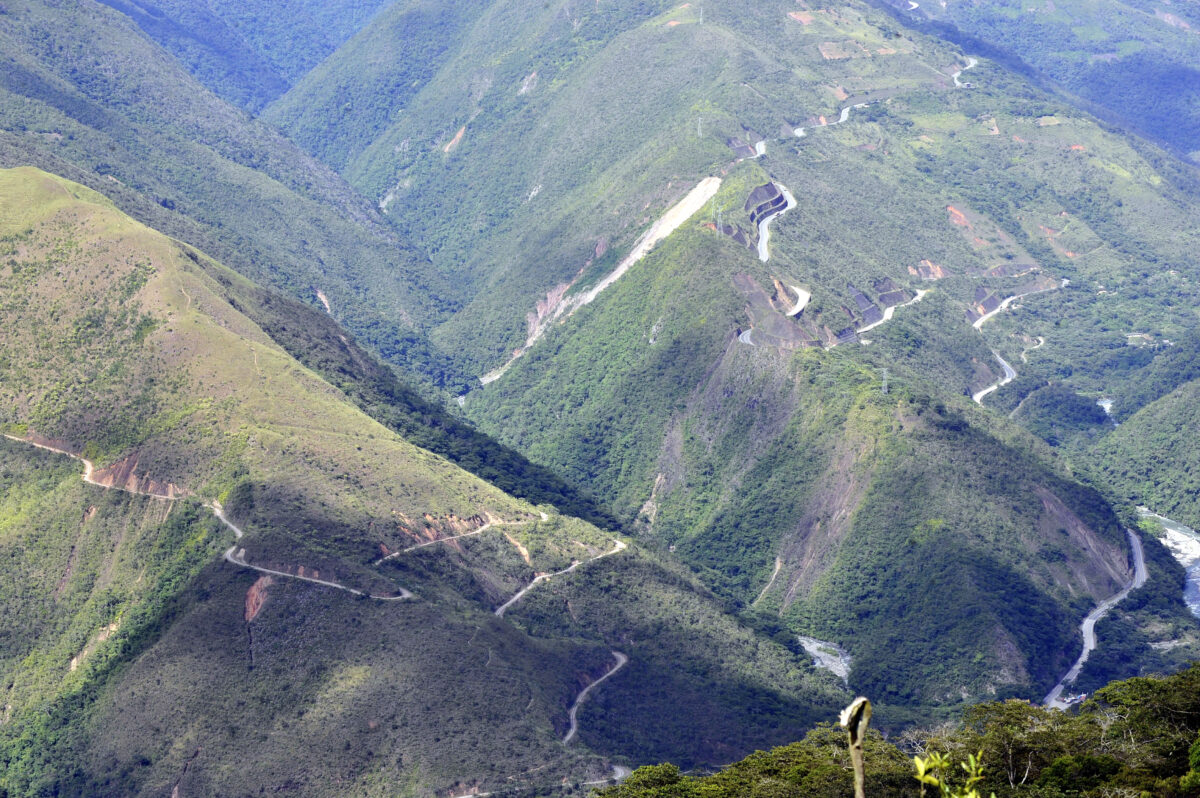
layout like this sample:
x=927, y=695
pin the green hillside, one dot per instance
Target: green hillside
x=778, y=330
x=141, y=660
x=678, y=394
x=84, y=92
x=249, y=53
x=1134, y=61
x=341, y=106
x=1152, y=458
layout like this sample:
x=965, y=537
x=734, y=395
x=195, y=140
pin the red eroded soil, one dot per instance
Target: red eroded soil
x=256, y=596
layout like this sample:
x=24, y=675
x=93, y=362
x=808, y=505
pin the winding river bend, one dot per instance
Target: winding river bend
x=828, y=656
x=1184, y=544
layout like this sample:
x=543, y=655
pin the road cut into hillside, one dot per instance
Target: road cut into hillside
x=1010, y=374
x=232, y=554
x=1053, y=699
x=622, y=660
x=891, y=311
x=499, y=611
x=971, y=62
x=978, y=324
x=764, y=224
x=489, y=525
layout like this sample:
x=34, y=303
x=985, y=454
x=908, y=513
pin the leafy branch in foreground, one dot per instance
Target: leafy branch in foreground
x=935, y=771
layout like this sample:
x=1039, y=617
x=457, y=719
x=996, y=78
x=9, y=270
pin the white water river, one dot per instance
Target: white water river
x=1184, y=544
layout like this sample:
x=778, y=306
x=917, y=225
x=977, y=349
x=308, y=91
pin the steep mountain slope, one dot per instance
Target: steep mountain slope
x=347, y=101
x=931, y=215
x=83, y=86
x=1152, y=458
x=249, y=53
x=380, y=620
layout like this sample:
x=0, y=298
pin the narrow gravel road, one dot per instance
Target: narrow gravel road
x=622, y=660
x=232, y=554
x=619, y=546
x=1088, y=627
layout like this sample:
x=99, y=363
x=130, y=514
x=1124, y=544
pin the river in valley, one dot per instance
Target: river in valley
x=1184, y=544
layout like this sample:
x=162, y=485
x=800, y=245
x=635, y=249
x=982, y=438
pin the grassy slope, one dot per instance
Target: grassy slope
x=121, y=343
x=84, y=86
x=315, y=339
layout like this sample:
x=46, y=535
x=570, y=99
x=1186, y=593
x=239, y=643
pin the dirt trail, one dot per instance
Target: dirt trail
x=622, y=660
x=231, y=554
x=775, y=573
x=89, y=469
x=480, y=531
x=1024, y=352
x=1053, y=700
x=238, y=557
x=618, y=546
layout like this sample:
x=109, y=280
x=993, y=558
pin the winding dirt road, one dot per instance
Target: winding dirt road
x=971, y=62
x=764, y=224
x=1010, y=374
x=622, y=660
x=232, y=554
x=1025, y=352
x=479, y=531
x=1009, y=300
x=1088, y=627
x=499, y=612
